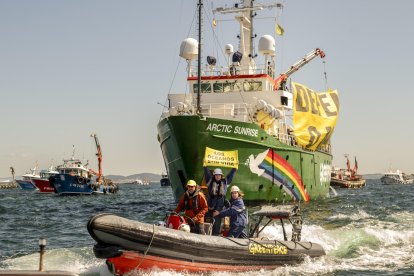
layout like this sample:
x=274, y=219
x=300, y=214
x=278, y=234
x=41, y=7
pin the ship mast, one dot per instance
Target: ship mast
x=200, y=6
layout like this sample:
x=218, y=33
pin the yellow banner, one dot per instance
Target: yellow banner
x=314, y=115
x=218, y=158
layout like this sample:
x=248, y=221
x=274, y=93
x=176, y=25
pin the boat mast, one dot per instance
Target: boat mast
x=200, y=6
x=99, y=154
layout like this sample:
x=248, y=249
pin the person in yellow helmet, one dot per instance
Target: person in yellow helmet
x=236, y=212
x=194, y=204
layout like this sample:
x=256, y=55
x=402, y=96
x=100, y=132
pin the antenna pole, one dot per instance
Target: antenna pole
x=200, y=6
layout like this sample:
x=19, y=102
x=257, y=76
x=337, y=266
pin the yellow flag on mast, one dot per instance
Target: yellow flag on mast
x=279, y=29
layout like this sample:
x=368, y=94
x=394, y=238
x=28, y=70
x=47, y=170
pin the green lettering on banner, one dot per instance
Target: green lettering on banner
x=335, y=100
x=302, y=104
x=326, y=105
x=315, y=135
x=328, y=135
x=312, y=101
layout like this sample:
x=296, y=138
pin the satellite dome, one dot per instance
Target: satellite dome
x=228, y=49
x=267, y=45
x=189, y=49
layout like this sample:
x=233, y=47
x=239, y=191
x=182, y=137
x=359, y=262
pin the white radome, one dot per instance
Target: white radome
x=228, y=49
x=189, y=49
x=267, y=45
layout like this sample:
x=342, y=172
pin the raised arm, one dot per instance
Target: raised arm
x=231, y=175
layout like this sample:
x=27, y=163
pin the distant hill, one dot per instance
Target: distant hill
x=373, y=176
x=151, y=177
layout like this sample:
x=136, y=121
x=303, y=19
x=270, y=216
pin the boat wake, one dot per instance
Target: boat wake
x=381, y=246
x=76, y=260
x=349, y=248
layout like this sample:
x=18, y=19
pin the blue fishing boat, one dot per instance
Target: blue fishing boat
x=26, y=182
x=75, y=178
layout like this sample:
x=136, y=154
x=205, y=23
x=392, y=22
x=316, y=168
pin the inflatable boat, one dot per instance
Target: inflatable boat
x=131, y=245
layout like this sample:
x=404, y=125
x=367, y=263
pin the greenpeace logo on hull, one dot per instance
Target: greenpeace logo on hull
x=236, y=130
x=325, y=173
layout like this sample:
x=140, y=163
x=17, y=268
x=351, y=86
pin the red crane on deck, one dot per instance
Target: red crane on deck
x=99, y=154
x=281, y=80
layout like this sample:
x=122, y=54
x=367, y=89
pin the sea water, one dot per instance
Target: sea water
x=367, y=231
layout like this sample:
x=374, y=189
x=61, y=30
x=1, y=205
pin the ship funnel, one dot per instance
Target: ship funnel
x=189, y=49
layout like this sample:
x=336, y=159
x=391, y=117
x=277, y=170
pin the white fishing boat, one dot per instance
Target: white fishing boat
x=26, y=182
x=396, y=177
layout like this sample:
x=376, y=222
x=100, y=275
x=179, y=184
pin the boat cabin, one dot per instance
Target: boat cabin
x=74, y=167
x=45, y=174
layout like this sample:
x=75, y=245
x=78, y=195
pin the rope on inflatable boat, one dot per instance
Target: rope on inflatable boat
x=148, y=248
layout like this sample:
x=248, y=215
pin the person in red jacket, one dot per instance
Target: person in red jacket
x=194, y=204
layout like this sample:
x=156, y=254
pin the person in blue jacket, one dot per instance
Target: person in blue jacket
x=217, y=189
x=236, y=212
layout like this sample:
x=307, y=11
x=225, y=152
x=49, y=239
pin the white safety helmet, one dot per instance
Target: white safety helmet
x=184, y=227
x=235, y=189
x=217, y=171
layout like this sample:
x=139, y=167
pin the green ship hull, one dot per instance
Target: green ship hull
x=268, y=171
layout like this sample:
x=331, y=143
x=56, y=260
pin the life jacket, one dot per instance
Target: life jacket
x=194, y=205
x=214, y=184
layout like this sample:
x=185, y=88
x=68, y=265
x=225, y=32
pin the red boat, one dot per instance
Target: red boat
x=43, y=183
x=130, y=246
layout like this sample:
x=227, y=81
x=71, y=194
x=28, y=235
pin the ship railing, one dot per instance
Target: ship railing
x=240, y=112
x=237, y=111
x=231, y=71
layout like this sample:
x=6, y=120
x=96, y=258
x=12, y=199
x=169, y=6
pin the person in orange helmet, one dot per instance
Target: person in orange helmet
x=194, y=204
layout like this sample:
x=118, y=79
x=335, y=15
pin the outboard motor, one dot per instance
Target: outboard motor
x=174, y=221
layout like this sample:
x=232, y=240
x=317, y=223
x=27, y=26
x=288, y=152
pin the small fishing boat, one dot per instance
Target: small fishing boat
x=164, y=181
x=26, y=182
x=396, y=177
x=131, y=245
x=43, y=183
x=347, y=178
x=75, y=178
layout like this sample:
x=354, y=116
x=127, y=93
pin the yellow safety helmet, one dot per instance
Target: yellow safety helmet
x=191, y=183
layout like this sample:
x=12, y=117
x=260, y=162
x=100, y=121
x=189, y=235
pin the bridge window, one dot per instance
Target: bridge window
x=252, y=86
x=226, y=87
x=205, y=88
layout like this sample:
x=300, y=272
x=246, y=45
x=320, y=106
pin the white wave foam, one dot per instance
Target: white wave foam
x=371, y=248
x=76, y=260
x=361, y=214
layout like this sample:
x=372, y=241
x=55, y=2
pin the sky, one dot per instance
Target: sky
x=72, y=68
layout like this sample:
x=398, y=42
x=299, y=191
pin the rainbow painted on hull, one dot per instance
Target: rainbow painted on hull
x=279, y=171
